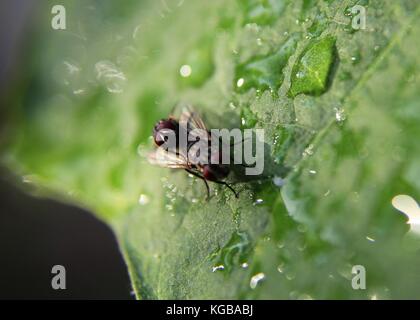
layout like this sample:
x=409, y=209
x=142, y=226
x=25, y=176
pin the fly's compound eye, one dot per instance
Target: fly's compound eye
x=163, y=129
x=166, y=124
x=167, y=136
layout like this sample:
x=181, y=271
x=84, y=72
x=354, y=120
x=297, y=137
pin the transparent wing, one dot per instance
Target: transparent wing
x=167, y=159
x=192, y=119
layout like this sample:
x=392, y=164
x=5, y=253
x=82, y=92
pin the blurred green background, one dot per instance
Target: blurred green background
x=340, y=111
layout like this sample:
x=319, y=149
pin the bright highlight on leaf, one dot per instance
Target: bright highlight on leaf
x=410, y=208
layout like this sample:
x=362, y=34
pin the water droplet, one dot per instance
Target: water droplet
x=244, y=265
x=409, y=207
x=302, y=228
x=240, y=82
x=309, y=151
x=110, y=76
x=143, y=199
x=300, y=74
x=311, y=71
x=280, y=244
x=185, y=71
x=252, y=27
x=302, y=247
x=72, y=68
x=280, y=268
x=258, y=201
x=27, y=179
x=312, y=171
x=234, y=252
x=78, y=92
x=290, y=276
x=218, y=268
x=340, y=116
x=135, y=31
x=278, y=181
x=370, y=239
x=256, y=279
x=265, y=73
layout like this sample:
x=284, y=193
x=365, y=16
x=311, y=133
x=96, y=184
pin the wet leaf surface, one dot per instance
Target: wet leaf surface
x=337, y=151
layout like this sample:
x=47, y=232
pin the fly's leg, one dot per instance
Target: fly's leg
x=208, y=189
x=202, y=178
x=227, y=185
x=215, y=181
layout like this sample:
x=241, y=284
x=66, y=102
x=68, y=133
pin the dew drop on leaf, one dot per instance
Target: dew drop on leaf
x=143, y=199
x=315, y=63
x=185, y=70
x=234, y=252
x=340, y=116
x=256, y=279
x=108, y=74
x=300, y=75
x=197, y=66
x=278, y=181
x=265, y=72
x=218, y=268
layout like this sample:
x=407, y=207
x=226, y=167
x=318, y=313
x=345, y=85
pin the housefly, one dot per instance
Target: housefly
x=177, y=155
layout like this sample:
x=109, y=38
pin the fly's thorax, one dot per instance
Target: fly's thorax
x=198, y=153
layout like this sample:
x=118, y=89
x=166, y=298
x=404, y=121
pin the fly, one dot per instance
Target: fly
x=206, y=165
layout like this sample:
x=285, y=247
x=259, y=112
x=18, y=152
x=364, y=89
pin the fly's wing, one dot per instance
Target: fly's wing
x=198, y=136
x=190, y=118
x=167, y=159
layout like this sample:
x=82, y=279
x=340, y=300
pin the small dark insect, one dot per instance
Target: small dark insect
x=178, y=158
x=162, y=127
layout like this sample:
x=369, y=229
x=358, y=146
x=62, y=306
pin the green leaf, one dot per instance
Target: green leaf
x=267, y=72
x=341, y=142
